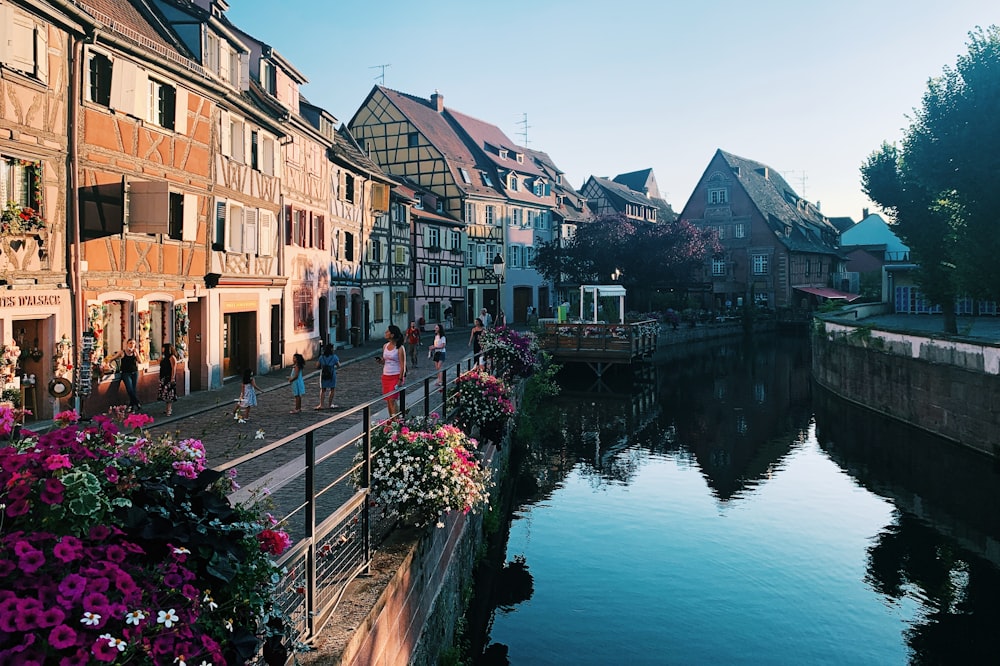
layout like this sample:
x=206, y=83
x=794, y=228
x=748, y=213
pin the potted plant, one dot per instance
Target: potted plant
x=482, y=400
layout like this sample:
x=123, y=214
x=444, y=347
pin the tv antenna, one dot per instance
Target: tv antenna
x=381, y=75
x=524, y=129
x=801, y=178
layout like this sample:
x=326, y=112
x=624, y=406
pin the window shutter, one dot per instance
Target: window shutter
x=123, y=85
x=42, y=52
x=180, y=110
x=266, y=233
x=289, y=225
x=220, y=226
x=225, y=140
x=189, y=230
x=267, y=155
x=21, y=42
x=140, y=95
x=223, y=62
x=250, y=230
x=380, y=197
x=235, y=229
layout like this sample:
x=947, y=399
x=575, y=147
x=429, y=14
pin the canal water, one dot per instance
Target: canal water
x=720, y=509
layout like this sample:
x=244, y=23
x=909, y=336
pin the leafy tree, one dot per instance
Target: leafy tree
x=649, y=255
x=942, y=186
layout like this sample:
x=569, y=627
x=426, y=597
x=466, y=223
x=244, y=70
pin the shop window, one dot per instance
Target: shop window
x=302, y=300
x=159, y=328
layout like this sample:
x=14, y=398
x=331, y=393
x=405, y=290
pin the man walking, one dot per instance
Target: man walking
x=412, y=340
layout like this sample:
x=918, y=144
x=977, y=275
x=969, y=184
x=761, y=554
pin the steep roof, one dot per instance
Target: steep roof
x=138, y=23
x=347, y=150
x=796, y=222
x=569, y=205
x=622, y=193
x=490, y=139
x=639, y=181
x=873, y=230
x=436, y=128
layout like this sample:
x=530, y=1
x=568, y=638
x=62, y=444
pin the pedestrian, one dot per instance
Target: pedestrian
x=131, y=357
x=438, y=352
x=393, y=360
x=449, y=317
x=485, y=316
x=167, y=391
x=327, y=364
x=476, y=342
x=412, y=342
x=297, y=381
x=248, y=396
x=501, y=319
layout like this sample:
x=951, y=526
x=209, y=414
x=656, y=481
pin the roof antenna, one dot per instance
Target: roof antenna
x=381, y=75
x=524, y=131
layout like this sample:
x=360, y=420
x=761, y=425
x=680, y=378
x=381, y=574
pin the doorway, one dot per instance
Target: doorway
x=276, y=360
x=239, y=343
x=522, y=299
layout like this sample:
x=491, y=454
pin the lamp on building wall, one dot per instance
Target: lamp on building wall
x=498, y=270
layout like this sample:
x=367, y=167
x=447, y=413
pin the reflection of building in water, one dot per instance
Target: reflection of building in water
x=919, y=471
x=738, y=406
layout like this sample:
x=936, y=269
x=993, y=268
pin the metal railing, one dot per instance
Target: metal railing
x=321, y=498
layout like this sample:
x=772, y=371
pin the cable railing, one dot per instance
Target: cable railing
x=321, y=498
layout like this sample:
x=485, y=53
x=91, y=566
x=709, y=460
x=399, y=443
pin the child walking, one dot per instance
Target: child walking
x=297, y=381
x=248, y=397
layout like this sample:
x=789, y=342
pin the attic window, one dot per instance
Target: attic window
x=412, y=140
x=520, y=158
x=465, y=176
x=486, y=179
x=512, y=182
x=503, y=153
x=718, y=195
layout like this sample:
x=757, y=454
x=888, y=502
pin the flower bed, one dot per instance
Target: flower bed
x=513, y=354
x=479, y=399
x=424, y=469
x=120, y=548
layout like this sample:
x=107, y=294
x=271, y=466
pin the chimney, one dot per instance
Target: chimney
x=864, y=213
x=437, y=99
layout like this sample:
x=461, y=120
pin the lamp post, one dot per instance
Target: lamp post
x=498, y=270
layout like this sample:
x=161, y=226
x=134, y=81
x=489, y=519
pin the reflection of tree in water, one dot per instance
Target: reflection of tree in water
x=514, y=584
x=909, y=560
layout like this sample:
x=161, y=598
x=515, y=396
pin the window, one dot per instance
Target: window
x=159, y=328
x=17, y=182
x=515, y=217
x=538, y=188
x=412, y=140
x=117, y=329
x=760, y=264
x=721, y=229
x=235, y=68
x=349, y=188
x=470, y=213
x=718, y=267
x=529, y=256
x=503, y=153
x=440, y=205
x=718, y=195
x=376, y=251
x=434, y=311
x=302, y=301
x=741, y=230
x=483, y=256
x=379, y=307
x=398, y=302
x=25, y=43
x=532, y=221
x=465, y=176
x=433, y=275
x=211, y=58
x=491, y=215
x=400, y=255
x=486, y=180
x=236, y=140
x=513, y=256
x=175, y=216
x=268, y=78
x=348, y=246
x=454, y=240
x=433, y=237
x=456, y=277
x=99, y=88
x=162, y=104
x=512, y=182
x=254, y=144
x=542, y=220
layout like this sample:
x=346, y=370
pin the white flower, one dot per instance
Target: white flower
x=181, y=551
x=180, y=660
x=167, y=618
x=260, y=434
x=210, y=602
x=229, y=625
x=91, y=619
x=135, y=617
x=241, y=420
x=116, y=643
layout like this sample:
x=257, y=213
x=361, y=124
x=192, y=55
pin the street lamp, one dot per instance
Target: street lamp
x=498, y=270
x=616, y=275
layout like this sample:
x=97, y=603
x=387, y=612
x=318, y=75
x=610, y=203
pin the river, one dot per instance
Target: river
x=717, y=508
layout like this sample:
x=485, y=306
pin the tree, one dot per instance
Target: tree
x=942, y=187
x=649, y=255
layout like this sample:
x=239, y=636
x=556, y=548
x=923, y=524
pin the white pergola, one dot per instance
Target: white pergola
x=599, y=290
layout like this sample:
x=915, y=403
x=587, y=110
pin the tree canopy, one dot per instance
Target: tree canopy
x=941, y=187
x=648, y=255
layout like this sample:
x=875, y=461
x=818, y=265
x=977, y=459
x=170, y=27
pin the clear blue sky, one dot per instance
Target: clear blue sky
x=808, y=88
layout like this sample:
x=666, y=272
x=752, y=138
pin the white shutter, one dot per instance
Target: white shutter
x=224, y=61
x=122, y=85
x=21, y=42
x=181, y=110
x=5, y=28
x=224, y=133
x=189, y=230
x=247, y=143
x=250, y=230
x=210, y=59
x=266, y=155
x=266, y=231
x=140, y=95
x=42, y=52
x=237, y=131
x=235, y=230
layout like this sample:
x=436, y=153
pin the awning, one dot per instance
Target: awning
x=826, y=292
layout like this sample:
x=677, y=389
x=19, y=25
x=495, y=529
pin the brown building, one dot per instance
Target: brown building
x=778, y=248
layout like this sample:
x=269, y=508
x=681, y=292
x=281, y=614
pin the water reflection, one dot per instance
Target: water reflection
x=739, y=414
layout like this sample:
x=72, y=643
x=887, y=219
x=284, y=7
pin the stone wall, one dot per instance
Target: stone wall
x=949, y=388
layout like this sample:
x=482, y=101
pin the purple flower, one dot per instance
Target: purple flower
x=111, y=473
x=52, y=492
x=72, y=587
x=62, y=637
x=51, y=617
x=81, y=658
x=31, y=561
x=116, y=554
x=103, y=650
x=68, y=549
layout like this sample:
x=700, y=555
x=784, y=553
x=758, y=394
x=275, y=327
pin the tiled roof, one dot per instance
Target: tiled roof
x=621, y=193
x=139, y=24
x=347, y=150
x=634, y=180
x=796, y=222
x=489, y=139
x=436, y=129
x=570, y=206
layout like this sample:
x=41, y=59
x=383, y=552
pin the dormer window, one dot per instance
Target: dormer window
x=268, y=77
x=486, y=179
x=503, y=153
x=465, y=176
x=520, y=158
x=540, y=188
x=512, y=182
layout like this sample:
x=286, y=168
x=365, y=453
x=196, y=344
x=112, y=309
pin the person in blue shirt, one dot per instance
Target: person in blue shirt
x=327, y=363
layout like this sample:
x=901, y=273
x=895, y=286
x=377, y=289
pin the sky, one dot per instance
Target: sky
x=808, y=88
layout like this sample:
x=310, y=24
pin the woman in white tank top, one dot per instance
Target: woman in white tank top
x=393, y=360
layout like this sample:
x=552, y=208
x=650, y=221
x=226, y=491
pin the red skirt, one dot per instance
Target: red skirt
x=389, y=384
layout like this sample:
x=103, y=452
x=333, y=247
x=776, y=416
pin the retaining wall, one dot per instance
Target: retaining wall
x=945, y=386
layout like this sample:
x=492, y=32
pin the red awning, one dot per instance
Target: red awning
x=826, y=292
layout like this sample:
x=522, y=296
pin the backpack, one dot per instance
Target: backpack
x=326, y=373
